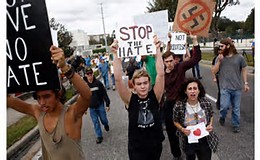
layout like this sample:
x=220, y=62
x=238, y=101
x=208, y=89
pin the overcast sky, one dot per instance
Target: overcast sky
x=86, y=14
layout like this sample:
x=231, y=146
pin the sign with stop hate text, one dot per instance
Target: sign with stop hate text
x=134, y=40
x=194, y=16
x=29, y=67
x=178, y=41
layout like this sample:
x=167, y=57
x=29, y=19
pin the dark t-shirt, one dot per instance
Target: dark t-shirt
x=143, y=136
x=99, y=93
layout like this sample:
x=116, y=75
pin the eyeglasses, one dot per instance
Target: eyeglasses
x=89, y=73
x=168, y=61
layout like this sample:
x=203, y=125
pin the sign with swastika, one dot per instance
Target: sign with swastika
x=194, y=16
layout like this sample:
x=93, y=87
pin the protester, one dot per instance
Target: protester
x=87, y=61
x=253, y=51
x=192, y=108
x=112, y=76
x=231, y=66
x=59, y=125
x=149, y=62
x=174, y=77
x=216, y=79
x=145, y=133
x=96, y=107
x=130, y=69
x=104, y=70
x=195, y=69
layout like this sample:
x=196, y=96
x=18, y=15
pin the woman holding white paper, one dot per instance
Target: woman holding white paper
x=193, y=116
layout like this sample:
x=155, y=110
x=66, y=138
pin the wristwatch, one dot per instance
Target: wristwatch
x=246, y=83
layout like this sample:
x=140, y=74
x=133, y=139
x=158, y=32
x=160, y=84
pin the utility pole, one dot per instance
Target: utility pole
x=103, y=25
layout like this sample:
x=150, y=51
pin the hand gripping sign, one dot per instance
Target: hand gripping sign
x=29, y=65
x=135, y=40
x=194, y=16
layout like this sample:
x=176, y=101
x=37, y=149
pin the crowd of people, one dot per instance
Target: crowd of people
x=158, y=93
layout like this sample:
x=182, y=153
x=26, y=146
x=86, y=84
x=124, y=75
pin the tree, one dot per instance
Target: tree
x=219, y=7
x=249, y=25
x=158, y=5
x=64, y=37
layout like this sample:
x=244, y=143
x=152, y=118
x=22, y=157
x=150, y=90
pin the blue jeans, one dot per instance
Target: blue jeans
x=113, y=79
x=97, y=114
x=232, y=97
x=196, y=68
x=106, y=81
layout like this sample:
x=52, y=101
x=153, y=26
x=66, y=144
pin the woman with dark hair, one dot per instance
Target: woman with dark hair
x=192, y=108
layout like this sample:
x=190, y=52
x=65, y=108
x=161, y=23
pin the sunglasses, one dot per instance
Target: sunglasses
x=89, y=73
x=169, y=61
x=221, y=46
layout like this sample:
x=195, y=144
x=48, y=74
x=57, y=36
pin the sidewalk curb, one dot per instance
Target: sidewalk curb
x=25, y=139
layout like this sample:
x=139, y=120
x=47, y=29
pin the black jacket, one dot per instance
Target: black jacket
x=99, y=93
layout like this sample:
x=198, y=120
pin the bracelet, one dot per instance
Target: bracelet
x=246, y=83
x=70, y=72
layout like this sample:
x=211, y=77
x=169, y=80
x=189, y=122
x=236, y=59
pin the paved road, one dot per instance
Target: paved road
x=233, y=146
x=114, y=147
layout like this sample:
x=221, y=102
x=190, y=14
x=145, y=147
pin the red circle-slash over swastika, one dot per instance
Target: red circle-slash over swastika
x=185, y=7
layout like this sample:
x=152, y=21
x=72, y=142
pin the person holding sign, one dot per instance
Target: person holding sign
x=145, y=134
x=59, y=125
x=174, y=77
x=193, y=116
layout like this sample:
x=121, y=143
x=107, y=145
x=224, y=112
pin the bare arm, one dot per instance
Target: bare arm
x=168, y=47
x=82, y=103
x=244, y=76
x=215, y=68
x=182, y=129
x=159, y=83
x=22, y=106
x=186, y=56
x=123, y=91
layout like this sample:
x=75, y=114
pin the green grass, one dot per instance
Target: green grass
x=70, y=93
x=17, y=130
x=209, y=57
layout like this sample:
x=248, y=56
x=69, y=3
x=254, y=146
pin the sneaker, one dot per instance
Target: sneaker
x=106, y=127
x=199, y=77
x=99, y=140
x=114, y=87
x=222, y=121
x=236, y=129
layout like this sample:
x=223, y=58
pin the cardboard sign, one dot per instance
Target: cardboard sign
x=135, y=40
x=159, y=20
x=194, y=16
x=178, y=42
x=29, y=66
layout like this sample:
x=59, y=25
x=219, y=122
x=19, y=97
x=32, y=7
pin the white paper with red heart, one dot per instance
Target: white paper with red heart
x=197, y=131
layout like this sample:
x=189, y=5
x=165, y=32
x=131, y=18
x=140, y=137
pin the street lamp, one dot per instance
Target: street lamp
x=103, y=22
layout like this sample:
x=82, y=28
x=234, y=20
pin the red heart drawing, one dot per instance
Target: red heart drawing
x=197, y=132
